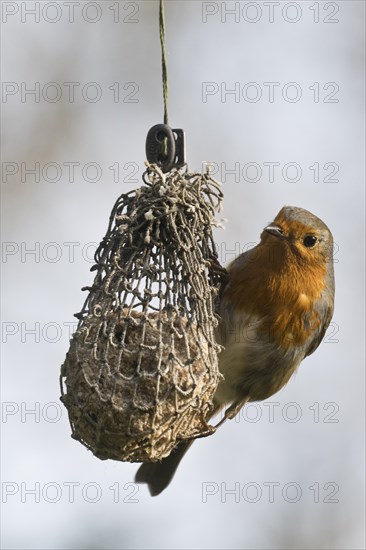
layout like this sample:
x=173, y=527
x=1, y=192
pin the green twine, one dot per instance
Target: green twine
x=163, y=60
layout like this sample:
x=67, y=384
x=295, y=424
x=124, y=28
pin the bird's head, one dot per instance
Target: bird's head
x=299, y=231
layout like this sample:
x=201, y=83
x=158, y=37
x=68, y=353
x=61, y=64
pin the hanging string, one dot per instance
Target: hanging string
x=163, y=60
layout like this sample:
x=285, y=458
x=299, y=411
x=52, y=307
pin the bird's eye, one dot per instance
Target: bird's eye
x=310, y=241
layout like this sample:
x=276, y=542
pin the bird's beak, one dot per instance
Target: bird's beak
x=275, y=231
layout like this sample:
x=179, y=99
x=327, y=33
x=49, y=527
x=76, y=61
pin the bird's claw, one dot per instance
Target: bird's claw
x=218, y=269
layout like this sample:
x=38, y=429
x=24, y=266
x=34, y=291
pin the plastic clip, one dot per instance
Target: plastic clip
x=166, y=147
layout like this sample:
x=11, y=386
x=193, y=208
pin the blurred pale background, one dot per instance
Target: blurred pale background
x=94, y=68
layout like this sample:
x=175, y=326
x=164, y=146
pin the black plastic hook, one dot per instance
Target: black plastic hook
x=165, y=147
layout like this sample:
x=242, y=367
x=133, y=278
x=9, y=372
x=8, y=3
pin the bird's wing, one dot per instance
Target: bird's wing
x=326, y=312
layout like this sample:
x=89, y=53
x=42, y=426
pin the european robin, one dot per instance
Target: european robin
x=275, y=307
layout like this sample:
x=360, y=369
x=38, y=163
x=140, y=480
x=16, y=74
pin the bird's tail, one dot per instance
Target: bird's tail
x=158, y=475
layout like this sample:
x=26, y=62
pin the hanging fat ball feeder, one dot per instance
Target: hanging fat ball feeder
x=142, y=366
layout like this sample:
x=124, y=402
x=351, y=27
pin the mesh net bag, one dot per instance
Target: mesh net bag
x=142, y=368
